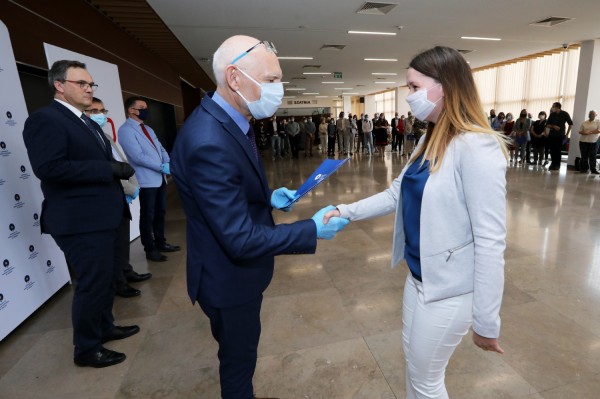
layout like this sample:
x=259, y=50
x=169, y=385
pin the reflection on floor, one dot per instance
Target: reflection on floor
x=331, y=322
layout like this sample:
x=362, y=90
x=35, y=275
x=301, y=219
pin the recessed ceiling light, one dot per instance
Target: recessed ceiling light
x=289, y=97
x=333, y=83
x=295, y=58
x=382, y=59
x=316, y=73
x=342, y=88
x=360, y=32
x=348, y=93
x=295, y=89
x=285, y=82
x=384, y=82
x=321, y=96
x=310, y=94
x=480, y=38
x=385, y=73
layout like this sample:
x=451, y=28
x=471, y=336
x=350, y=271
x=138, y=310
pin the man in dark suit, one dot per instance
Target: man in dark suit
x=83, y=206
x=232, y=238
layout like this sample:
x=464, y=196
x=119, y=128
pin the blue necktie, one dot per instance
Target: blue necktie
x=252, y=139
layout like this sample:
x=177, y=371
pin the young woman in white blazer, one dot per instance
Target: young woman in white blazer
x=450, y=221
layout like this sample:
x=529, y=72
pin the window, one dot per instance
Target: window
x=386, y=102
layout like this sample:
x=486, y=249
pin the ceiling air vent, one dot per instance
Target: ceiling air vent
x=373, y=8
x=299, y=78
x=333, y=47
x=550, y=21
x=204, y=59
x=464, y=51
x=311, y=66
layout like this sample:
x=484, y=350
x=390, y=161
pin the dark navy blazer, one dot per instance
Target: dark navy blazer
x=80, y=193
x=231, y=236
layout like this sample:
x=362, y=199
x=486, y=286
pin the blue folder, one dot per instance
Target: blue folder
x=321, y=173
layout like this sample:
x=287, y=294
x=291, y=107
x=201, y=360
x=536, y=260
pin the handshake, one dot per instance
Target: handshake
x=328, y=224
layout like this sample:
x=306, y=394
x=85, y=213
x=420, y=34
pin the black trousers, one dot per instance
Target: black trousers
x=237, y=330
x=123, y=256
x=295, y=144
x=588, y=156
x=153, y=207
x=331, y=145
x=94, y=259
x=555, y=144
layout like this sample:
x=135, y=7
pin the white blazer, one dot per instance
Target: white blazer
x=463, y=226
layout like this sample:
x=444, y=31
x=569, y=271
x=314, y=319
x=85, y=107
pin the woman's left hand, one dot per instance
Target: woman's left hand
x=487, y=344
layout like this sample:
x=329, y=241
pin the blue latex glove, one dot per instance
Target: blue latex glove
x=135, y=193
x=129, y=199
x=329, y=230
x=165, y=168
x=281, y=197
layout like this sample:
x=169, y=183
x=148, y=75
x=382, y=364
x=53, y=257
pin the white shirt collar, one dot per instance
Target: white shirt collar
x=71, y=108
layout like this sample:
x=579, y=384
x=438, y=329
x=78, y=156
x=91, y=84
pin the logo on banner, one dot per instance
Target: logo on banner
x=10, y=121
x=24, y=174
x=50, y=267
x=3, y=302
x=18, y=203
x=28, y=283
x=14, y=233
x=36, y=220
x=32, y=252
x=7, y=268
x=3, y=151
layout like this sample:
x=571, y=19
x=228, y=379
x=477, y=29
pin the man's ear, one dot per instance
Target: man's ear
x=58, y=87
x=232, y=77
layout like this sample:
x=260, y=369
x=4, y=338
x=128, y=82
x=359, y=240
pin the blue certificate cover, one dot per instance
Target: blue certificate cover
x=321, y=173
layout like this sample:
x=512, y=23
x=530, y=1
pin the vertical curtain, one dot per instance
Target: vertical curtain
x=532, y=84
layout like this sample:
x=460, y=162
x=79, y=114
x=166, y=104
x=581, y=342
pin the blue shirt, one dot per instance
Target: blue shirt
x=411, y=190
x=238, y=118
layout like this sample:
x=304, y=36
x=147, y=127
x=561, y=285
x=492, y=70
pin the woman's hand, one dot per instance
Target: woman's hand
x=487, y=344
x=330, y=214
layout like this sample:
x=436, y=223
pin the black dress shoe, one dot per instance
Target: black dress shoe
x=156, y=256
x=128, y=292
x=121, y=332
x=103, y=358
x=166, y=247
x=134, y=277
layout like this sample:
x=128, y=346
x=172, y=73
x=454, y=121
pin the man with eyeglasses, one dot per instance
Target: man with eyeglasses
x=131, y=187
x=232, y=238
x=83, y=206
x=151, y=163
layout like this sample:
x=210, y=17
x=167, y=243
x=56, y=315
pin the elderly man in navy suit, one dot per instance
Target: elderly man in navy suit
x=83, y=206
x=232, y=238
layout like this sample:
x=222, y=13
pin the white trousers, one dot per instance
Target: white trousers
x=431, y=332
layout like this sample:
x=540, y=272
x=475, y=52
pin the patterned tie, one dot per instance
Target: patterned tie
x=252, y=139
x=88, y=123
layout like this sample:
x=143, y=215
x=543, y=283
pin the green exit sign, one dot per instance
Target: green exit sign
x=337, y=75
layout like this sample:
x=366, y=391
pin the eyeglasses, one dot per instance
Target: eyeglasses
x=95, y=111
x=269, y=46
x=82, y=84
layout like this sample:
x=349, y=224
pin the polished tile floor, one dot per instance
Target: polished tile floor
x=332, y=321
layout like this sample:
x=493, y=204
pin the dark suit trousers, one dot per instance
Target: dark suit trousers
x=555, y=144
x=123, y=258
x=237, y=330
x=93, y=258
x=153, y=205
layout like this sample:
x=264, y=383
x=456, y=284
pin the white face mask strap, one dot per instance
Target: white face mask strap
x=248, y=76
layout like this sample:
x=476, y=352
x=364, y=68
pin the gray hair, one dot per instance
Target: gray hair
x=227, y=51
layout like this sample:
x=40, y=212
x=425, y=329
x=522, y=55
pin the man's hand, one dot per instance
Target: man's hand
x=122, y=170
x=327, y=229
x=281, y=197
x=165, y=168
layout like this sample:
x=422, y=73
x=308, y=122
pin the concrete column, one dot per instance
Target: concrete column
x=347, y=105
x=587, y=95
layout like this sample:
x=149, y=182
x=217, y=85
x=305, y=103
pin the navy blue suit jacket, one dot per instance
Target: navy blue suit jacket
x=81, y=195
x=231, y=236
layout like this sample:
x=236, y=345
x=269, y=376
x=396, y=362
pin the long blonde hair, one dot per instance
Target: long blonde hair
x=462, y=110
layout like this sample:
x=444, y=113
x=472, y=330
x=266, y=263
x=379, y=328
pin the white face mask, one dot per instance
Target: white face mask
x=270, y=99
x=100, y=119
x=420, y=105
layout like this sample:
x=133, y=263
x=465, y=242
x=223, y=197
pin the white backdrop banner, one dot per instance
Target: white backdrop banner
x=33, y=267
x=106, y=76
